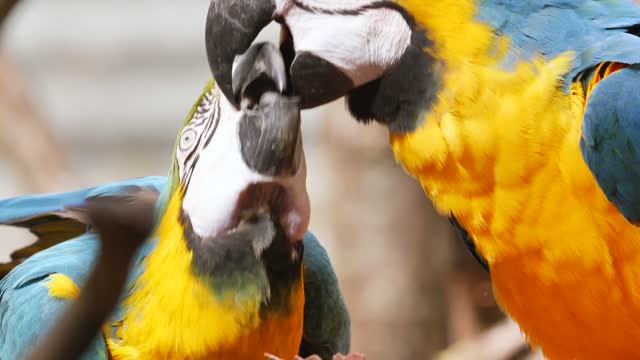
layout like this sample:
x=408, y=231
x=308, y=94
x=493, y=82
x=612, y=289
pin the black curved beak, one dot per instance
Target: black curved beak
x=269, y=130
x=270, y=136
x=260, y=69
x=270, y=141
x=231, y=27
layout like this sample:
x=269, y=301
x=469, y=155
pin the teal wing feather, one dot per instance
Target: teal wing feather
x=32, y=205
x=56, y=217
x=327, y=325
x=595, y=30
x=65, y=246
x=26, y=308
x=610, y=141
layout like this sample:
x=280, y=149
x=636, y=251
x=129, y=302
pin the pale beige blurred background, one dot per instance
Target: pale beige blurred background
x=95, y=91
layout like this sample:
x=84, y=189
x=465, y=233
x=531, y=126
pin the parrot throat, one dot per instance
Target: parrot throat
x=228, y=263
x=462, y=154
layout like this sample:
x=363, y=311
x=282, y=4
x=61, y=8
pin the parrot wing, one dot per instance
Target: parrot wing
x=610, y=141
x=56, y=217
x=27, y=306
x=327, y=325
x=34, y=294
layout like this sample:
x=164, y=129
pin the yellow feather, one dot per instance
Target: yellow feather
x=173, y=315
x=500, y=150
x=62, y=287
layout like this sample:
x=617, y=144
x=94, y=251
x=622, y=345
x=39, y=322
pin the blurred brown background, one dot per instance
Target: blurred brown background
x=92, y=92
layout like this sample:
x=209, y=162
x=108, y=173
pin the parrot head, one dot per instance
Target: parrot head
x=241, y=176
x=371, y=51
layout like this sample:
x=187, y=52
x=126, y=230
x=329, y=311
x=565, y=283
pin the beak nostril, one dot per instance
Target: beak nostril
x=231, y=28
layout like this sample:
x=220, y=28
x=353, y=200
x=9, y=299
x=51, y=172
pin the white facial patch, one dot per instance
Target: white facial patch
x=362, y=44
x=214, y=172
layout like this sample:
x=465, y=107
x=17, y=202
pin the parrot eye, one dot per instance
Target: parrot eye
x=197, y=134
x=187, y=139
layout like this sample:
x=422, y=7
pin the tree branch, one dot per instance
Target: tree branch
x=5, y=9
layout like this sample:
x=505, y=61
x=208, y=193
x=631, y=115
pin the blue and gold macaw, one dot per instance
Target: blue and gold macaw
x=230, y=271
x=521, y=120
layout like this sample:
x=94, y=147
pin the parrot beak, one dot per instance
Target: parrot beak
x=269, y=131
x=270, y=136
x=258, y=68
x=329, y=51
x=231, y=27
x=255, y=153
x=270, y=140
x=372, y=52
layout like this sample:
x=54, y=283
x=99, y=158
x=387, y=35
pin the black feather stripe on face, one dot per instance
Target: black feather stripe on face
x=405, y=93
x=359, y=10
x=203, y=126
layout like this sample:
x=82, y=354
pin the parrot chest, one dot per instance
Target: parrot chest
x=506, y=162
x=212, y=337
x=567, y=271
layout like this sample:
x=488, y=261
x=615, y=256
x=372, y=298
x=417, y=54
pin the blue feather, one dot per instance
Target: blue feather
x=327, y=325
x=610, y=142
x=596, y=30
x=31, y=205
x=27, y=310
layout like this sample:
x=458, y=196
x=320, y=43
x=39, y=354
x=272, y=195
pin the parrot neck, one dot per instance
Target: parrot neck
x=173, y=312
x=488, y=150
x=491, y=142
x=484, y=144
x=172, y=309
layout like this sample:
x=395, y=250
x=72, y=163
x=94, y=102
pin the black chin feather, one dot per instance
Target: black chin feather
x=225, y=259
x=408, y=90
